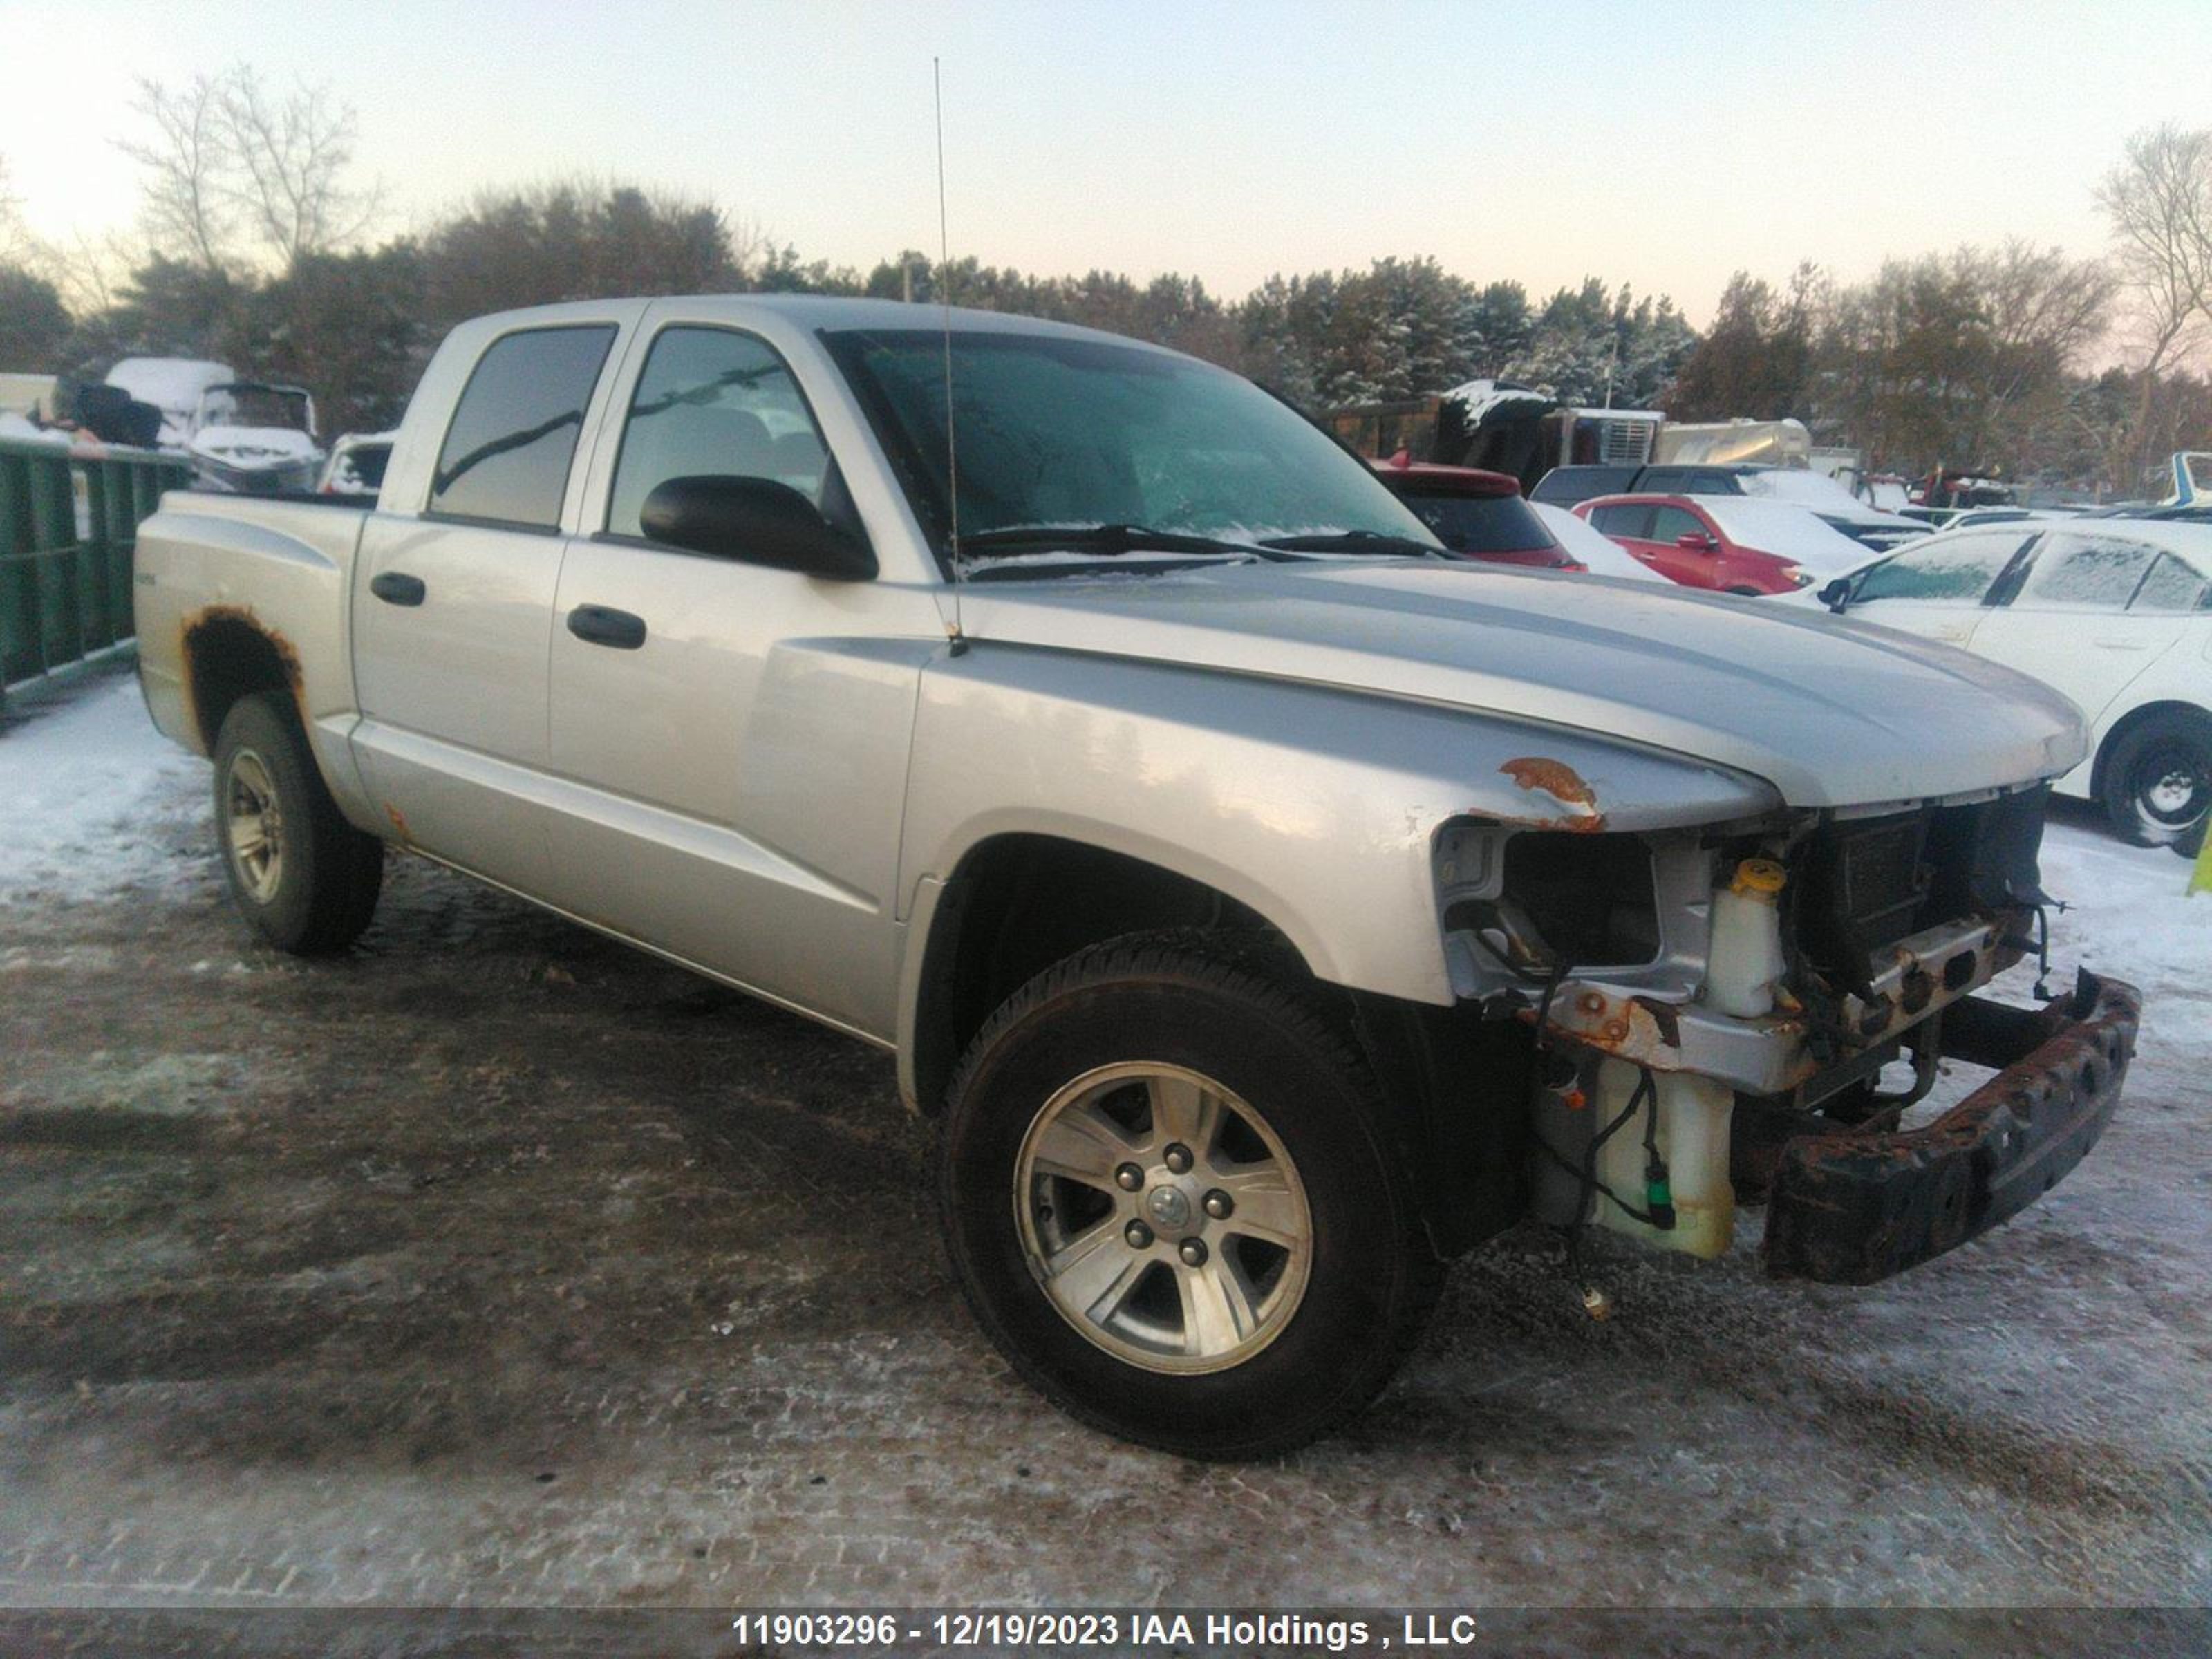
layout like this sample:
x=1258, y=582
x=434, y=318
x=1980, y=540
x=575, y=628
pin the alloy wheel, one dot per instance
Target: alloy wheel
x=1162, y=1218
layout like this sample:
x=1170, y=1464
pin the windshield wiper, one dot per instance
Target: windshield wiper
x=1105, y=539
x=1354, y=541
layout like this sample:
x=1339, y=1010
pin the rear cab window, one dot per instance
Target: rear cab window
x=1480, y=523
x=1564, y=486
x=506, y=457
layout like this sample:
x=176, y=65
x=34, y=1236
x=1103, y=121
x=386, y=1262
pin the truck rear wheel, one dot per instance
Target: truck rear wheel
x=1169, y=1194
x=305, y=879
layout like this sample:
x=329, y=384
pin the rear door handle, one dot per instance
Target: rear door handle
x=397, y=587
x=599, y=624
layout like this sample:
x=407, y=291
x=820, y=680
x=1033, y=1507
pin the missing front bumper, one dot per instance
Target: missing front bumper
x=1851, y=1208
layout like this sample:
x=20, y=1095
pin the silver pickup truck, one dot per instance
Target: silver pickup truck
x=1270, y=908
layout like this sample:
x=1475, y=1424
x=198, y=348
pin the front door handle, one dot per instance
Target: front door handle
x=397, y=587
x=599, y=624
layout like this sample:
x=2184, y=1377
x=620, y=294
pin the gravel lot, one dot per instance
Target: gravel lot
x=496, y=1263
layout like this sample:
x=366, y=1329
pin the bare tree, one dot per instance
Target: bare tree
x=90, y=271
x=2043, y=311
x=14, y=236
x=2160, y=202
x=291, y=157
x=228, y=162
x=187, y=159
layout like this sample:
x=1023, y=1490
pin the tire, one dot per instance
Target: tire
x=1262, y=1342
x=303, y=876
x=2157, y=787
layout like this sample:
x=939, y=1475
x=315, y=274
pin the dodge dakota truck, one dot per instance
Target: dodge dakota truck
x=1269, y=909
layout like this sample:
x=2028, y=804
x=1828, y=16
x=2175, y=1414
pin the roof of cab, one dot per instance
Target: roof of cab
x=813, y=311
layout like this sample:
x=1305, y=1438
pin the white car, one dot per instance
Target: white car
x=356, y=464
x=2115, y=613
x=1600, y=554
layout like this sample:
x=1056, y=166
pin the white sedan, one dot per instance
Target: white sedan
x=2115, y=613
x=1602, y=555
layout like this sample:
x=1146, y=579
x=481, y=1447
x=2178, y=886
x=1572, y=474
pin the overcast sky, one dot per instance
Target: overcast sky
x=1662, y=144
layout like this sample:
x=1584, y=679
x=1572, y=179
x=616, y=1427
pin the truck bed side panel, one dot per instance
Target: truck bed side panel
x=281, y=567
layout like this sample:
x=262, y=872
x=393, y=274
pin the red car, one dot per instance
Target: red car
x=1477, y=514
x=1724, y=543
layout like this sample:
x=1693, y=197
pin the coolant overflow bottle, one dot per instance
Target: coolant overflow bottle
x=1746, y=940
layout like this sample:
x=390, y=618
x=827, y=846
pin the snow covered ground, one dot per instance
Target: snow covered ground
x=495, y=1263
x=89, y=795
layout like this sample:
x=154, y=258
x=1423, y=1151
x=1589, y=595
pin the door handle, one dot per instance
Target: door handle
x=2123, y=645
x=599, y=624
x=397, y=587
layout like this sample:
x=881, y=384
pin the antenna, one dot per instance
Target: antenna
x=945, y=294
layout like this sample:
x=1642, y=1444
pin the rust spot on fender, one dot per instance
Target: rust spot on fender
x=287, y=655
x=399, y=821
x=1564, y=785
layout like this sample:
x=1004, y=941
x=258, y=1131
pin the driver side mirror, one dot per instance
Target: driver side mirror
x=1837, y=594
x=755, y=520
x=1695, y=541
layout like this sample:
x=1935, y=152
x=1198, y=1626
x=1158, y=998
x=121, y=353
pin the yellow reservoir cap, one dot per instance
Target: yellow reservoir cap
x=1761, y=876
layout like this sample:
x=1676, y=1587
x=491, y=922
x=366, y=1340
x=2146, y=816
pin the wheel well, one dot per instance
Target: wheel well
x=229, y=655
x=2127, y=723
x=1456, y=1084
x=1020, y=902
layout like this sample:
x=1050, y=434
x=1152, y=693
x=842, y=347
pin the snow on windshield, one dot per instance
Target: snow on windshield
x=1806, y=489
x=1795, y=533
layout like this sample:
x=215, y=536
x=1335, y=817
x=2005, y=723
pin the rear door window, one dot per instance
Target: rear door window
x=2171, y=587
x=1633, y=522
x=506, y=456
x=2078, y=571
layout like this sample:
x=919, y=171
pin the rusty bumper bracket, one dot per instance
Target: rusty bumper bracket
x=1851, y=1208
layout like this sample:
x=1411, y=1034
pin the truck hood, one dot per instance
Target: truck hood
x=1832, y=714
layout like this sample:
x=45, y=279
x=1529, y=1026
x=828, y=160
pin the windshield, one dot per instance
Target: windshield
x=1074, y=434
x=244, y=404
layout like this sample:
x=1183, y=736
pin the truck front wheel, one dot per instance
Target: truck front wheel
x=305, y=879
x=1169, y=1192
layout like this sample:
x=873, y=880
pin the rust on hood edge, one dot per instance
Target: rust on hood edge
x=1564, y=785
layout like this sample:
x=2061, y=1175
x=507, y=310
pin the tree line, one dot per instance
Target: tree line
x=254, y=248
